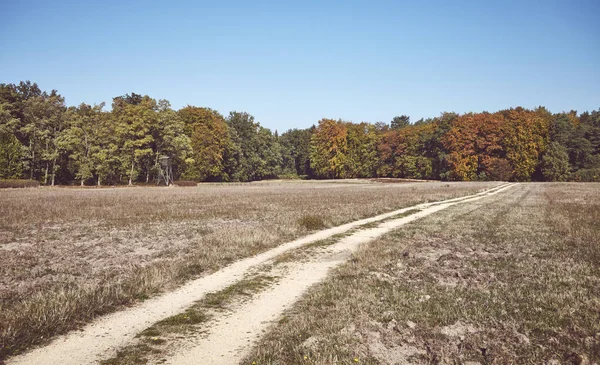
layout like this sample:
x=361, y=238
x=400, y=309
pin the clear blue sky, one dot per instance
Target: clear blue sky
x=293, y=63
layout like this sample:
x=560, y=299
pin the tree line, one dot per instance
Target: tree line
x=42, y=139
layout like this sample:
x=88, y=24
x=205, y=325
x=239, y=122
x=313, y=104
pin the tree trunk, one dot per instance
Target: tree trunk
x=82, y=181
x=46, y=174
x=32, y=159
x=131, y=173
x=99, y=184
x=53, y=170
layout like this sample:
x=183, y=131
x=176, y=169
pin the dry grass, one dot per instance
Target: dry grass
x=513, y=278
x=69, y=255
x=16, y=184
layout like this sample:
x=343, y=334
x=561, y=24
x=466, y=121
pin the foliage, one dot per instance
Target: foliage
x=555, y=163
x=209, y=137
x=328, y=149
x=255, y=151
x=10, y=156
x=41, y=139
x=295, y=151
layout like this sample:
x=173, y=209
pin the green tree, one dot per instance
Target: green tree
x=362, y=141
x=10, y=156
x=555, y=163
x=170, y=139
x=295, y=150
x=134, y=123
x=257, y=151
x=80, y=138
x=399, y=122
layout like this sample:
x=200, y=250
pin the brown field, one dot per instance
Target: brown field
x=514, y=278
x=69, y=255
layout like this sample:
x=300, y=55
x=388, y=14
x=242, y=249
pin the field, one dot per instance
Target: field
x=514, y=278
x=70, y=255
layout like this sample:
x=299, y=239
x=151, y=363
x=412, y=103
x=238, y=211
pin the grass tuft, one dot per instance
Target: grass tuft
x=311, y=222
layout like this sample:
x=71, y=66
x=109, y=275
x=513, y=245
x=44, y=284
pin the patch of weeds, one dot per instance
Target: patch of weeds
x=301, y=252
x=130, y=355
x=149, y=332
x=311, y=222
x=190, y=316
x=370, y=225
x=244, y=287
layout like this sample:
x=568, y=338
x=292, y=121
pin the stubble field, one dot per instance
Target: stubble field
x=69, y=255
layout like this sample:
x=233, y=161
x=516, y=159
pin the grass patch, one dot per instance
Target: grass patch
x=311, y=222
x=300, y=253
x=131, y=355
x=189, y=317
x=244, y=287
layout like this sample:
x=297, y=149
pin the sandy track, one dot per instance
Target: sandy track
x=103, y=336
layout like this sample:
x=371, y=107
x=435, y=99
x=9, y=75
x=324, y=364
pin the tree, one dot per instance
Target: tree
x=328, y=149
x=555, y=163
x=10, y=156
x=133, y=128
x=169, y=139
x=209, y=137
x=473, y=144
x=362, y=141
x=295, y=151
x=404, y=153
x=41, y=125
x=400, y=122
x=81, y=138
x=525, y=136
x=256, y=150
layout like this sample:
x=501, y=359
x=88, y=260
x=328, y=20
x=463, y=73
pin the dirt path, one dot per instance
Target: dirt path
x=231, y=336
x=227, y=340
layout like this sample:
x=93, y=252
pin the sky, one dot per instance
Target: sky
x=291, y=63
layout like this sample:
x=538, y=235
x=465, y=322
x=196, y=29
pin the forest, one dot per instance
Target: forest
x=42, y=139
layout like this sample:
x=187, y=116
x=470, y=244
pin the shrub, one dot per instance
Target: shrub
x=185, y=183
x=311, y=222
x=4, y=184
x=587, y=175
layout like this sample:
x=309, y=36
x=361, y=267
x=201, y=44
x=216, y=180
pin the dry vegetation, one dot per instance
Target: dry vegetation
x=514, y=278
x=68, y=255
x=16, y=184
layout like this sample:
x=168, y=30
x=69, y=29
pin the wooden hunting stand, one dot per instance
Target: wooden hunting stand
x=165, y=171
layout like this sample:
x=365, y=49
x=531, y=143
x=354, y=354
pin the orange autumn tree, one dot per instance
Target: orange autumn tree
x=402, y=152
x=525, y=139
x=474, y=147
x=329, y=148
